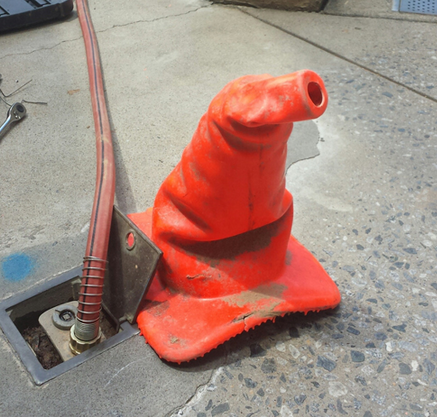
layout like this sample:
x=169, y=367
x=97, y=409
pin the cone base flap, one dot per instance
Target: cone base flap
x=181, y=327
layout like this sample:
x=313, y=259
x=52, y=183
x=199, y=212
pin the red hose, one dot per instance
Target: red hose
x=90, y=296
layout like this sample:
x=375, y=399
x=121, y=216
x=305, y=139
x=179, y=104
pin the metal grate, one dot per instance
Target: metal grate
x=418, y=6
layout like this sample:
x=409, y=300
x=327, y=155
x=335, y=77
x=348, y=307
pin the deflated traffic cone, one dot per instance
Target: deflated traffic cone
x=223, y=221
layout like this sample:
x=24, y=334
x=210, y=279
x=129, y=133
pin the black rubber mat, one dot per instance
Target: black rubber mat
x=15, y=14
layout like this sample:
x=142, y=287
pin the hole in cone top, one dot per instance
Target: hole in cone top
x=315, y=93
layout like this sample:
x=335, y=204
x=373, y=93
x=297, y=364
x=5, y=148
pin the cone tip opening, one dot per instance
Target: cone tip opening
x=315, y=93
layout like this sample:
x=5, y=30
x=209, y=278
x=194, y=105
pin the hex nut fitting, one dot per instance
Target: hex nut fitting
x=78, y=346
x=63, y=316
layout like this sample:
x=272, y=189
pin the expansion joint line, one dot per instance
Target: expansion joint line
x=342, y=57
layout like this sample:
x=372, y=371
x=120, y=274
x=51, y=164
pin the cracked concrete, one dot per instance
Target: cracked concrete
x=153, y=20
x=362, y=178
x=20, y=45
x=200, y=393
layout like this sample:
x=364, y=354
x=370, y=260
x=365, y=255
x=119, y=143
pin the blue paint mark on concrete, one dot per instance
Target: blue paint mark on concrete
x=17, y=266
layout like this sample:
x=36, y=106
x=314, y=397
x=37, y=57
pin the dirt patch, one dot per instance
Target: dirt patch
x=107, y=326
x=40, y=343
x=272, y=292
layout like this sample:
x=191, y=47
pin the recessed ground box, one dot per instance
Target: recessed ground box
x=130, y=271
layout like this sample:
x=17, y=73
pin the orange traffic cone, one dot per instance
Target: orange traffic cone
x=223, y=220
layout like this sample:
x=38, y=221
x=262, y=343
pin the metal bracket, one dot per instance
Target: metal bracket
x=133, y=259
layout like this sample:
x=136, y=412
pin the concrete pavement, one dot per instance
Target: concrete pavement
x=364, y=189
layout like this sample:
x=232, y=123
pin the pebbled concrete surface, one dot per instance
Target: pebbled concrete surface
x=394, y=53
x=376, y=236
x=365, y=204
